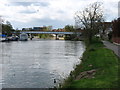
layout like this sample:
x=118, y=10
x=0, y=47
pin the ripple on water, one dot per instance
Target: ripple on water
x=36, y=64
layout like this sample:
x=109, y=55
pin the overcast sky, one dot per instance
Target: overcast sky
x=58, y=13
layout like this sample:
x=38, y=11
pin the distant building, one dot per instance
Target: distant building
x=43, y=28
x=116, y=31
x=26, y=29
x=58, y=30
x=38, y=28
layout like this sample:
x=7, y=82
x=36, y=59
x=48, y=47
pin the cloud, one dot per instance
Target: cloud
x=58, y=13
x=44, y=22
x=111, y=10
x=119, y=9
x=21, y=3
x=44, y=4
x=28, y=11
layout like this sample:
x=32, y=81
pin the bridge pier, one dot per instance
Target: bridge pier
x=56, y=37
x=31, y=36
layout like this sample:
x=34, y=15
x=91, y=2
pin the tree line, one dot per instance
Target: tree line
x=7, y=28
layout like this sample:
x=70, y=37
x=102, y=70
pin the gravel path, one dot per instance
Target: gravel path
x=115, y=48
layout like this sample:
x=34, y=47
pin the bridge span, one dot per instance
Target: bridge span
x=48, y=32
x=42, y=32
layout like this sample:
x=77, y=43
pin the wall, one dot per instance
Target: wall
x=116, y=40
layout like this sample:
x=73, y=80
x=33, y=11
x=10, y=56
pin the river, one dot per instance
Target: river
x=37, y=63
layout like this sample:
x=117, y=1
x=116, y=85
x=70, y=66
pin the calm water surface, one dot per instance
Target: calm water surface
x=35, y=64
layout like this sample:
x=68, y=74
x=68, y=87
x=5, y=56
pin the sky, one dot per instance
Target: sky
x=58, y=13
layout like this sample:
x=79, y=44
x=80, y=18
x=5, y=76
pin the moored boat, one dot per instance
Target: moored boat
x=23, y=37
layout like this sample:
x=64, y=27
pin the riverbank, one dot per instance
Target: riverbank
x=99, y=69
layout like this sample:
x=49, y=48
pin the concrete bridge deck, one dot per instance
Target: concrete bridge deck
x=41, y=32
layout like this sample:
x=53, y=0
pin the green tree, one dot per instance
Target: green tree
x=1, y=22
x=69, y=28
x=7, y=28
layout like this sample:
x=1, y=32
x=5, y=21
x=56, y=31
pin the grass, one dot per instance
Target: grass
x=104, y=61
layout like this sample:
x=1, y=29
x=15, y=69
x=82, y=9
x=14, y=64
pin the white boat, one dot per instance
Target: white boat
x=23, y=37
x=2, y=39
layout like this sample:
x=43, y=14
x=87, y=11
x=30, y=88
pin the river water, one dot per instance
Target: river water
x=35, y=64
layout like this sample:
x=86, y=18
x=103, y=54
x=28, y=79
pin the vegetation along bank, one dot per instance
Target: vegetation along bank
x=99, y=69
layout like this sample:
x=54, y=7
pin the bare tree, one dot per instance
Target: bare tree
x=90, y=19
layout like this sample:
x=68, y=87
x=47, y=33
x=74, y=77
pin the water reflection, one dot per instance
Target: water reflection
x=37, y=64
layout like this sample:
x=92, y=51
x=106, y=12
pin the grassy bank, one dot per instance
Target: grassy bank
x=99, y=69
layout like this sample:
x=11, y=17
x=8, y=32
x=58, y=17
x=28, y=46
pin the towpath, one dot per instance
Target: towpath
x=114, y=47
